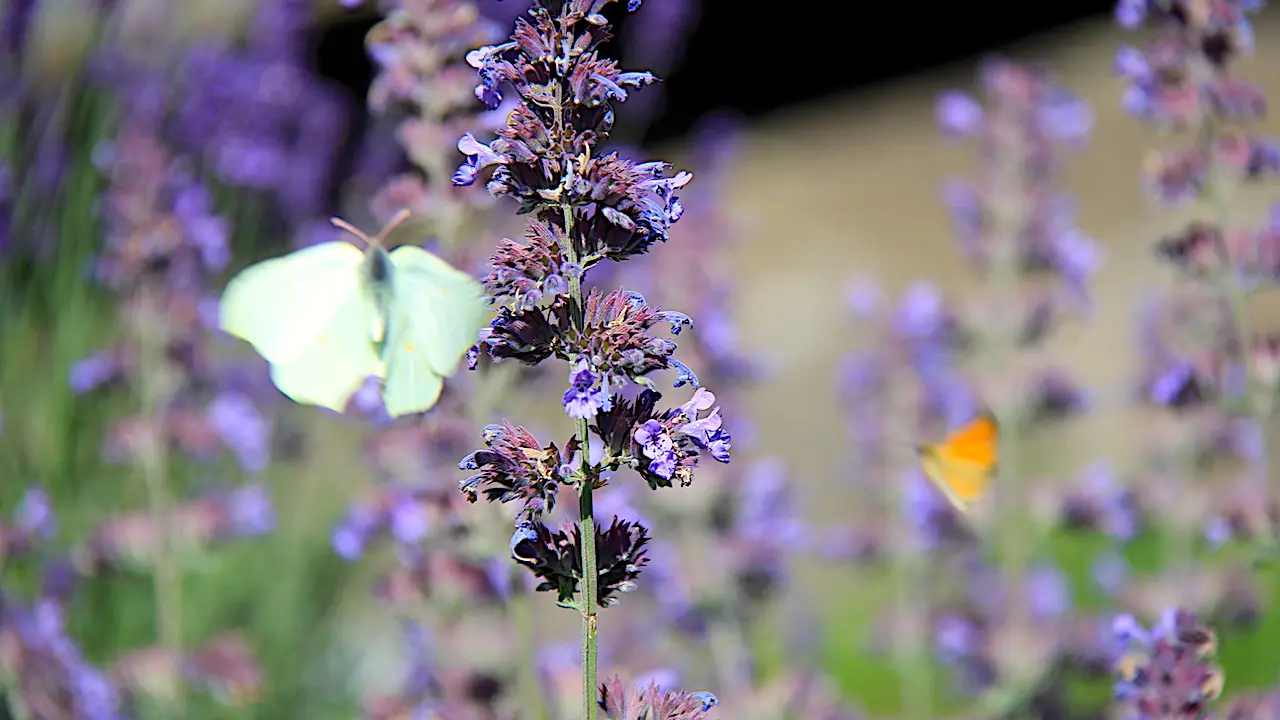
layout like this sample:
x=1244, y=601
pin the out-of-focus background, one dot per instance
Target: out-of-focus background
x=833, y=178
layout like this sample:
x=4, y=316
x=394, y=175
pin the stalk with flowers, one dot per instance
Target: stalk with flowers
x=586, y=207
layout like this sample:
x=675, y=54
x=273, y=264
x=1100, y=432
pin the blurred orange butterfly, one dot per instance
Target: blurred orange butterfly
x=963, y=464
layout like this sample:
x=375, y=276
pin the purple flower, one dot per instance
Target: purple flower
x=1101, y=503
x=956, y=637
x=93, y=372
x=1109, y=572
x=1168, y=671
x=583, y=399
x=351, y=536
x=408, y=519
x=658, y=447
x=1049, y=593
x=479, y=157
x=619, y=702
x=35, y=515
x=250, y=510
x=555, y=557
x=516, y=468
x=958, y=114
x=237, y=421
x=1130, y=13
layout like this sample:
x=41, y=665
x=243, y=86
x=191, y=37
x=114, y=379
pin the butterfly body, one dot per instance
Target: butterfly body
x=962, y=465
x=328, y=316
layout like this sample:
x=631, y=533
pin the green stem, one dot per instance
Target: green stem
x=153, y=460
x=586, y=517
x=585, y=510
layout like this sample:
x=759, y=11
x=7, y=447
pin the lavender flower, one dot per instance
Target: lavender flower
x=1201, y=347
x=51, y=675
x=587, y=206
x=1015, y=228
x=1166, y=671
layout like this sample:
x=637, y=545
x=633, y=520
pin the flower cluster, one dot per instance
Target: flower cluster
x=51, y=675
x=556, y=558
x=639, y=703
x=1167, y=671
x=424, y=85
x=542, y=157
x=516, y=468
x=613, y=346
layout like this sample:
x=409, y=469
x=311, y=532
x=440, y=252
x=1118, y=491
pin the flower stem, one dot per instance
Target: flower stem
x=152, y=460
x=586, y=506
x=586, y=517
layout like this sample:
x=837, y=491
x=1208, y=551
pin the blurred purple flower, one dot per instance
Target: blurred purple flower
x=34, y=514
x=1049, y=592
x=1109, y=572
x=353, y=534
x=1168, y=671
x=250, y=511
x=408, y=521
x=52, y=676
x=239, y=423
x=94, y=371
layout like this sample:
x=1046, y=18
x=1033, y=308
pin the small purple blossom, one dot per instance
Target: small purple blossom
x=353, y=534
x=35, y=515
x=237, y=420
x=583, y=399
x=658, y=447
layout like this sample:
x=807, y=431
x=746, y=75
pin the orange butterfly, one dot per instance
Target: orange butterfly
x=963, y=464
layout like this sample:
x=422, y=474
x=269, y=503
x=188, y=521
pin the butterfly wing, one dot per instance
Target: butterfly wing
x=961, y=466
x=976, y=442
x=961, y=482
x=307, y=314
x=281, y=305
x=336, y=364
x=435, y=313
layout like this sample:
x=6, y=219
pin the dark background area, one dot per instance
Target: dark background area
x=757, y=57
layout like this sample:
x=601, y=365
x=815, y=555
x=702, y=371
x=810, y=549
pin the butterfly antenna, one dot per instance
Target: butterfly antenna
x=344, y=225
x=391, y=225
